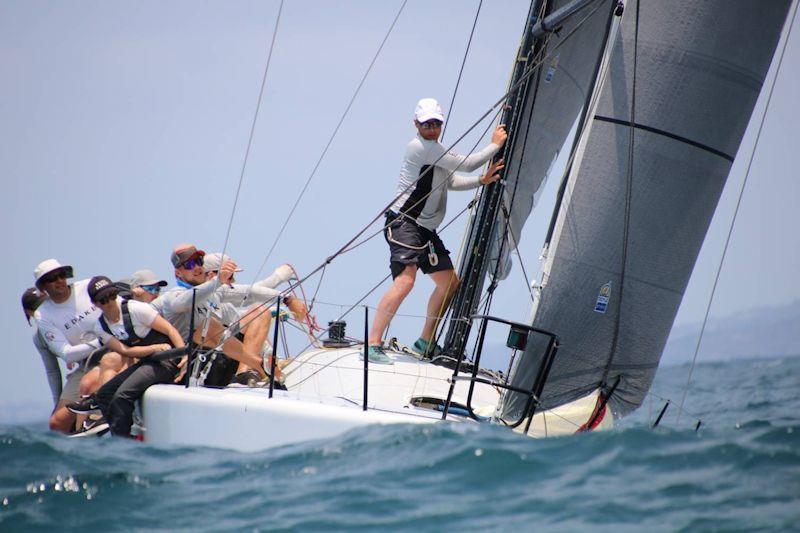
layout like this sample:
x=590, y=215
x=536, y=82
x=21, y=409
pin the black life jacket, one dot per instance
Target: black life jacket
x=154, y=337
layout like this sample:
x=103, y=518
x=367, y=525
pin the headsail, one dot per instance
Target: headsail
x=556, y=97
x=553, y=74
x=643, y=191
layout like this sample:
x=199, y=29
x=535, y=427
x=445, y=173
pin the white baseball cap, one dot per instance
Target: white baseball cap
x=50, y=265
x=428, y=109
x=212, y=262
x=146, y=277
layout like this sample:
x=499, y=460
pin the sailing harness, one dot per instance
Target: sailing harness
x=391, y=217
x=154, y=337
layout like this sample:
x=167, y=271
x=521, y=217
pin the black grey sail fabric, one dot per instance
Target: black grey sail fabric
x=618, y=273
x=552, y=104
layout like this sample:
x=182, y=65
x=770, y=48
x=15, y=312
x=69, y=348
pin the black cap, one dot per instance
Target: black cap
x=99, y=285
x=31, y=299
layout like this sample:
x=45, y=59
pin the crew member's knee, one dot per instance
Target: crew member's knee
x=62, y=420
x=111, y=361
x=89, y=382
x=455, y=282
x=405, y=281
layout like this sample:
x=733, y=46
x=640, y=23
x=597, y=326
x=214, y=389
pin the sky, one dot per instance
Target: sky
x=124, y=127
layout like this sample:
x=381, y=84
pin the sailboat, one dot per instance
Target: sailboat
x=652, y=99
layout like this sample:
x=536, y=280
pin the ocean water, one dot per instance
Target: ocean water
x=739, y=472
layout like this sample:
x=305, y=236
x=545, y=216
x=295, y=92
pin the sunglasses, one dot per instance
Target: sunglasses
x=53, y=276
x=431, y=124
x=152, y=289
x=108, y=297
x=189, y=264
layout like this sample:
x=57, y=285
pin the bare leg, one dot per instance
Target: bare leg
x=446, y=286
x=256, y=328
x=62, y=419
x=232, y=347
x=90, y=382
x=110, y=365
x=391, y=302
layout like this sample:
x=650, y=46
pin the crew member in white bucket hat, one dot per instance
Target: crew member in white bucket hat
x=427, y=172
x=65, y=320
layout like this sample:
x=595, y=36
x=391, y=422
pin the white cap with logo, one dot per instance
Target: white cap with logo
x=428, y=109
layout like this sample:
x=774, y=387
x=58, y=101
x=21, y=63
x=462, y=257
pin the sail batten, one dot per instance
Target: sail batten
x=697, y=81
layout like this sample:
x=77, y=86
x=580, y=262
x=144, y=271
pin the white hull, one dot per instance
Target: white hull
x=325, y=400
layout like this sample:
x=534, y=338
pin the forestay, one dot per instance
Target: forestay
x=629, y=229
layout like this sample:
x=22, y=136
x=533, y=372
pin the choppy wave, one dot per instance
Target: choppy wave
x=741, y=471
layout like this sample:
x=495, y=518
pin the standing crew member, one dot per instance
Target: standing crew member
x=428, y=171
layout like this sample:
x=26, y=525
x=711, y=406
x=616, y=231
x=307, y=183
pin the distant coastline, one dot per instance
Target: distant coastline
x=761, y=332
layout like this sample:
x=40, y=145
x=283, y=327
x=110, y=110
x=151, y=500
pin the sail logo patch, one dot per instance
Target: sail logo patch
x=601, y=305
x=551, y=72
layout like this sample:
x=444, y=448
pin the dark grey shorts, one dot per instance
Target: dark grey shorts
x=408, y=245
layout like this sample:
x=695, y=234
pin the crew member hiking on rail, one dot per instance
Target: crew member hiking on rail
x=428, y=171
x=132, y=329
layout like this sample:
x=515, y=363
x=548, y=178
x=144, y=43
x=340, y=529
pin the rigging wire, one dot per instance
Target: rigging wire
x=736, y=211
x=246, y=154
x=463, y=62
x=529, y=70
x=330, y=140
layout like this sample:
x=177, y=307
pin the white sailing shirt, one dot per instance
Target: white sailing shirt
x=426, y=200
x=142, y=317
x=66, y=326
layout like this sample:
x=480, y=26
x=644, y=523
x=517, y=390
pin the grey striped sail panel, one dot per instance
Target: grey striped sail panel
x=643, y=191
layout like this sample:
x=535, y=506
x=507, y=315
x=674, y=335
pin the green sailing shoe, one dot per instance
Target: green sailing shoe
x=424, y=348
x=377, y=355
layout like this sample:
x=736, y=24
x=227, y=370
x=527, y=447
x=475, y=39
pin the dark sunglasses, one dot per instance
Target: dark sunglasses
x=53, y=276
x=431, y=124
x=189, y=264
x=152, y=289
x=109, y=296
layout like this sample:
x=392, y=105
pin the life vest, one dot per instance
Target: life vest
x=154, y=337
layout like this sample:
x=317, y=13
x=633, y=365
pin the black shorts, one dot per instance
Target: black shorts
x=408, y=245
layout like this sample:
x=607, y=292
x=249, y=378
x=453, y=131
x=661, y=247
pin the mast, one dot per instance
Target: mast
x=564, y=80
x=474, y=264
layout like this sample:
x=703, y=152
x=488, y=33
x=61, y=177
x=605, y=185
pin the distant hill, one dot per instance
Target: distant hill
x=762, y=332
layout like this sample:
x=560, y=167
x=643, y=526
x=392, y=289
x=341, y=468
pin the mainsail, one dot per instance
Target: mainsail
x=682, y=83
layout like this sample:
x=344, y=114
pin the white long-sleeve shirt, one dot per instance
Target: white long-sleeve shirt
x=64, y=325
x=429, y=210
x=176, y=305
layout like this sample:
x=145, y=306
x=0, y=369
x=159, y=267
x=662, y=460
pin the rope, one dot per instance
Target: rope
x=463, y=62
x=246, y=154
x=736, y=213
x=330, y=140
x=530, y=69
